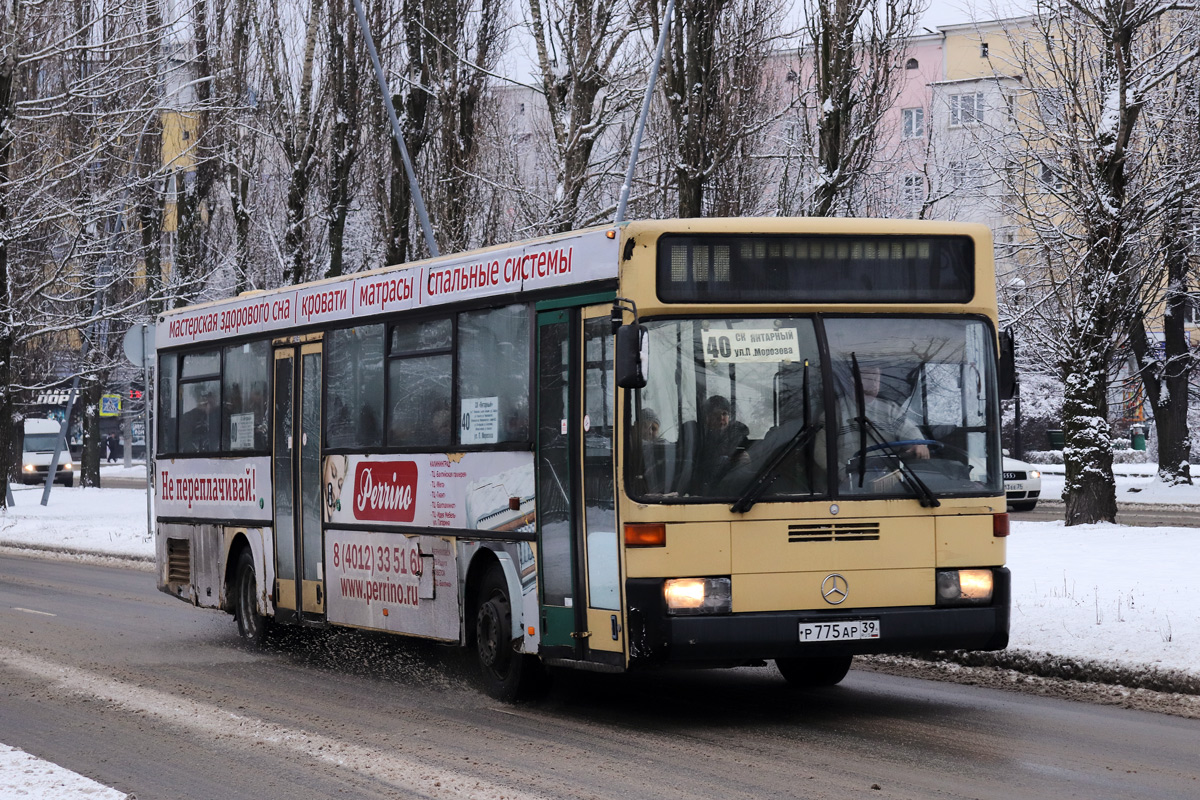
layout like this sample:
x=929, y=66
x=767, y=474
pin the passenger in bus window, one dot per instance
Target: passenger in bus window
x=651, y=450
x=202, y=423
x=258, y=406
x=516, y=419
x=722, y=443
x=440, y=422
x=648, y=424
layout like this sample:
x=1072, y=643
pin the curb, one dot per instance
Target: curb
x=1048, y=665
x=1124, y=505
x=75, y=552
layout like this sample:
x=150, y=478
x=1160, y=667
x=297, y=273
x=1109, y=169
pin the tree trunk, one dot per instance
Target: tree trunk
x=89, y=466
x=8, y=424
x=1090, y=491
x=8, y=429
x=1166, y=380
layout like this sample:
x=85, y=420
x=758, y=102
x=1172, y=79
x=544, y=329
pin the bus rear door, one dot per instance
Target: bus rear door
x=296, y=460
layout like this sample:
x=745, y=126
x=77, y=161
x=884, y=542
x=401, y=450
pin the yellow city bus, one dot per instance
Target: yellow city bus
x=710, y=442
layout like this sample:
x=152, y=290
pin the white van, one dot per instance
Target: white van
x=38, y=450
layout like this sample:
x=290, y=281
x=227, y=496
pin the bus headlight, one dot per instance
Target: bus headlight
x=698, y=596
x=29, y=467
x=964, y=587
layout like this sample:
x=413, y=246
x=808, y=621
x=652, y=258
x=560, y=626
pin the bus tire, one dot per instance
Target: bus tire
x=811, y=673
x=507, y=675
x=252, y=626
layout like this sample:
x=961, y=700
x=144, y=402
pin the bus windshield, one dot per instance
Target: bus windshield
x=796, y=408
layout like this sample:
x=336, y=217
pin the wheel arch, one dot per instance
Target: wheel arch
x=241, y=539
x=483, y=560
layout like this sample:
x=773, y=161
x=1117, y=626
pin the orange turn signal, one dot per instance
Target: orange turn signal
x=999, y=525
x=645, y=534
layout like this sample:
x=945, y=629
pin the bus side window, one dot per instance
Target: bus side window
x=168, y=380
x=419, y=383
x=200, y=395
x=244, y=418
x=493, y=375
x=354, y=387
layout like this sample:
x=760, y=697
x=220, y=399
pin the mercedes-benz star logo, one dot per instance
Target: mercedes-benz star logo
x=834, y=589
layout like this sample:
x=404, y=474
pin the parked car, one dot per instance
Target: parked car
x=41, y=438
x=1022, y=484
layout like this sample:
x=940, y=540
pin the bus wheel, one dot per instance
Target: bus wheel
x=808, y=673
x=507, y=675
x=252, y=626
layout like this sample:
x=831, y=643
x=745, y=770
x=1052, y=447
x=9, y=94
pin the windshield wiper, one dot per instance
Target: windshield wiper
x=767, y=475
x=770, y=471
x=920, y=488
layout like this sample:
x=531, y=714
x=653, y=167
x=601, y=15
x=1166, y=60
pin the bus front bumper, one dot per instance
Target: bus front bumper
x=724, y=639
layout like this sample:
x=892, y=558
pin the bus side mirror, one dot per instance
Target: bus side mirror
x=1007, y=366
x=633, y=356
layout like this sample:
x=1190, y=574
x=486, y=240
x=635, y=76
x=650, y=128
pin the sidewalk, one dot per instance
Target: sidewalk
x=1136, y=486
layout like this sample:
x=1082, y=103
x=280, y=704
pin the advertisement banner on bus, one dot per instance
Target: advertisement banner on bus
x=392, y=582
x=214, y=488
x=477, y=491
x=584, y=258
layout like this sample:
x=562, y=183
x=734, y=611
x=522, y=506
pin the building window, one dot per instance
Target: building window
x=983, y=49
x=912, y=190
x=1049, y=177
x=911, y=64
x=1192, y=309
x=966, y=109
x=965, y=175
x=914, y=123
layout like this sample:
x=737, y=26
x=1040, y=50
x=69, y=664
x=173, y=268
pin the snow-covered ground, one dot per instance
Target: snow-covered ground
x=1105, y=593
x=24, y=776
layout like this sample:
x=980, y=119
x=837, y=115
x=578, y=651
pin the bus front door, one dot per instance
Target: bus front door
x=579, y=552
x=296, y=460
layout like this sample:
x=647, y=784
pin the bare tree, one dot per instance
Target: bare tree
x=1081, y=126
x=288, y=34
x=584, y=74
x=1165, y=370
x=347, y=73
x=715, y=92
x=407, y=45
x=467, y=37
x=75, y=97
x=851, y=69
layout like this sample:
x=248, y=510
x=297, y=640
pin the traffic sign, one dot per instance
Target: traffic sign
x=139, y=343
x=110, y=405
